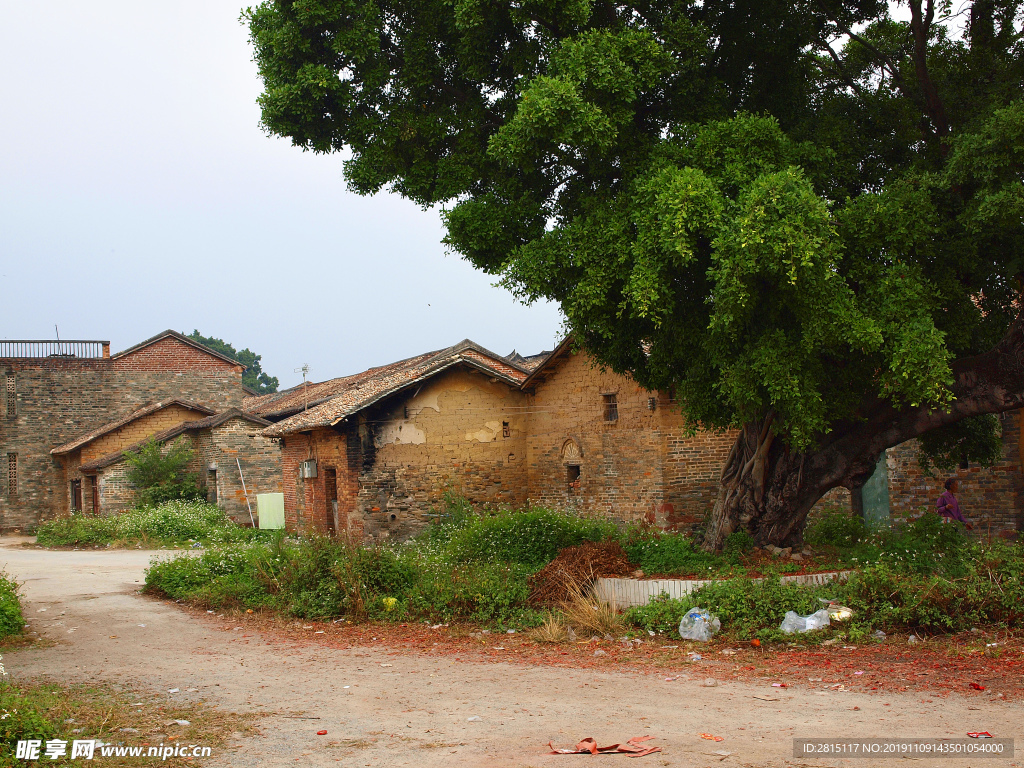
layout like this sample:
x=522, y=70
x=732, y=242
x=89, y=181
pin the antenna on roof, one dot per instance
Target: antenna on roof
x=57, y=331
x=303, y=370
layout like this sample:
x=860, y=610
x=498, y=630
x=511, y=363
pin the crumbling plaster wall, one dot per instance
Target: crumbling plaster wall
x=461, y=431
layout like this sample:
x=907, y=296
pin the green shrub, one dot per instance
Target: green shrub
x=530, y=537
x=737, y=543
x=12, y=622
x=20, y=719
x=671, y=554
x=456, y=513
x=836, y=529
x=161, y=475
x=315, y=577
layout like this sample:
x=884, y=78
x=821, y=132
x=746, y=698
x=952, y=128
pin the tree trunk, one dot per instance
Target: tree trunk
x=767, y=489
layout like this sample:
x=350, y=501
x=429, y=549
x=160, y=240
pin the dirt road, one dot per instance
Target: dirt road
x=381, y=707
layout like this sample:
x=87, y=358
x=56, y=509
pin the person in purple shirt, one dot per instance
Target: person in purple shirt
x=948, y=507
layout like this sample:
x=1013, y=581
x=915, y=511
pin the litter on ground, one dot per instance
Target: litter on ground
x=589, y=746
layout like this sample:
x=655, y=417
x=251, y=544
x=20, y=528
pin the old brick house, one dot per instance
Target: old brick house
x=599, y=441
x=69, y=407
x=373, y=453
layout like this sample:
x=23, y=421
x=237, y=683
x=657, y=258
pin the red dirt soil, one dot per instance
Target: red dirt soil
x=937, y=667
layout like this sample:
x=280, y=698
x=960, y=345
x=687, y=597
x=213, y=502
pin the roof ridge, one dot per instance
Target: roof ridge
x=179, y=337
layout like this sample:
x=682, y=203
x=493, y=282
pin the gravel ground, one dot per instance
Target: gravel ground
x=410, y=695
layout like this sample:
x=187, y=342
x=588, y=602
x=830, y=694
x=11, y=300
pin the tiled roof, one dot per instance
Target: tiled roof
x=546, y=360
x=169, y=434
x=183, y=339
x=528, y=363
x=279, y=405
x=332, y=401
x=138, y=413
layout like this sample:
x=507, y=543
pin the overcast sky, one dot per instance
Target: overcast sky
x=138, y=193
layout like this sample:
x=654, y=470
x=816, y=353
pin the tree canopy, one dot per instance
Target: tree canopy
x=810, y=213
x=253, y=377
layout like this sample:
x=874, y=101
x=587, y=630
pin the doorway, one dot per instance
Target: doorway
x=331, y=492
x=76, y=495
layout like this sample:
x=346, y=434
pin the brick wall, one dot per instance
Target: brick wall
x=59, y=399
x=305, y=499
x=460, y=430
x=989, y=498
x=693, y=466
x=642, y=466
x=170, y=354
x=260, y=457
x=136, y=431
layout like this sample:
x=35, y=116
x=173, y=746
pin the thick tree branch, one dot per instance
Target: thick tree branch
x=992, y=382
x=920, y=26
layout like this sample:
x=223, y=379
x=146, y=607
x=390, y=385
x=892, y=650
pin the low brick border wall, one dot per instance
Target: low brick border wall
x=625, y=593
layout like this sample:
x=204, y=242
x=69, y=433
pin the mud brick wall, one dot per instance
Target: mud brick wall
x=989, y=498
x=621, y=462
x=137, y=431
x=460, y=432
x=59, y=399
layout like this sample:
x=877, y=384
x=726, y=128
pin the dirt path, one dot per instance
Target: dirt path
x=382, y=707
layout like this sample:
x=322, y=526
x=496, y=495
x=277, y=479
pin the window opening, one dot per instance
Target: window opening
x=611, y=408
x=12, y=474
x=506, y=431
x=76, y=495
x=572, y=477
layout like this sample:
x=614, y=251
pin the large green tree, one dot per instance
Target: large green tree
x=253, y=377
x=804, y=218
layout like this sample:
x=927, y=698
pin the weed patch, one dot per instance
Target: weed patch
x=58, y=711
x=171, y=524
x=12, y=622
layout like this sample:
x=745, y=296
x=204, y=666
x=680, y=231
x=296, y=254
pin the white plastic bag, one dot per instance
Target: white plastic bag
x=698, y=624
x=796, y=623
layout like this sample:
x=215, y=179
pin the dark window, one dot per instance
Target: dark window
x=76, y=495
x=506, y=431
x=611, y=408
x=12, y=400
x=12, y=474
x=572, y=477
